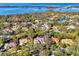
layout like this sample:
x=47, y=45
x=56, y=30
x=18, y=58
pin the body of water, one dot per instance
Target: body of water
x=62, y=7
x=10, y=11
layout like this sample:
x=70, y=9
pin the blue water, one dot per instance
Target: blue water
x=62, y=9
x=39, y=4
x=11, y=11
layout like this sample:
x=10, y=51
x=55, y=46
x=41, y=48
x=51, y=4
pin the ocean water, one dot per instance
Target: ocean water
x=39, y=4
x=11, y=11
x=63, y=7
